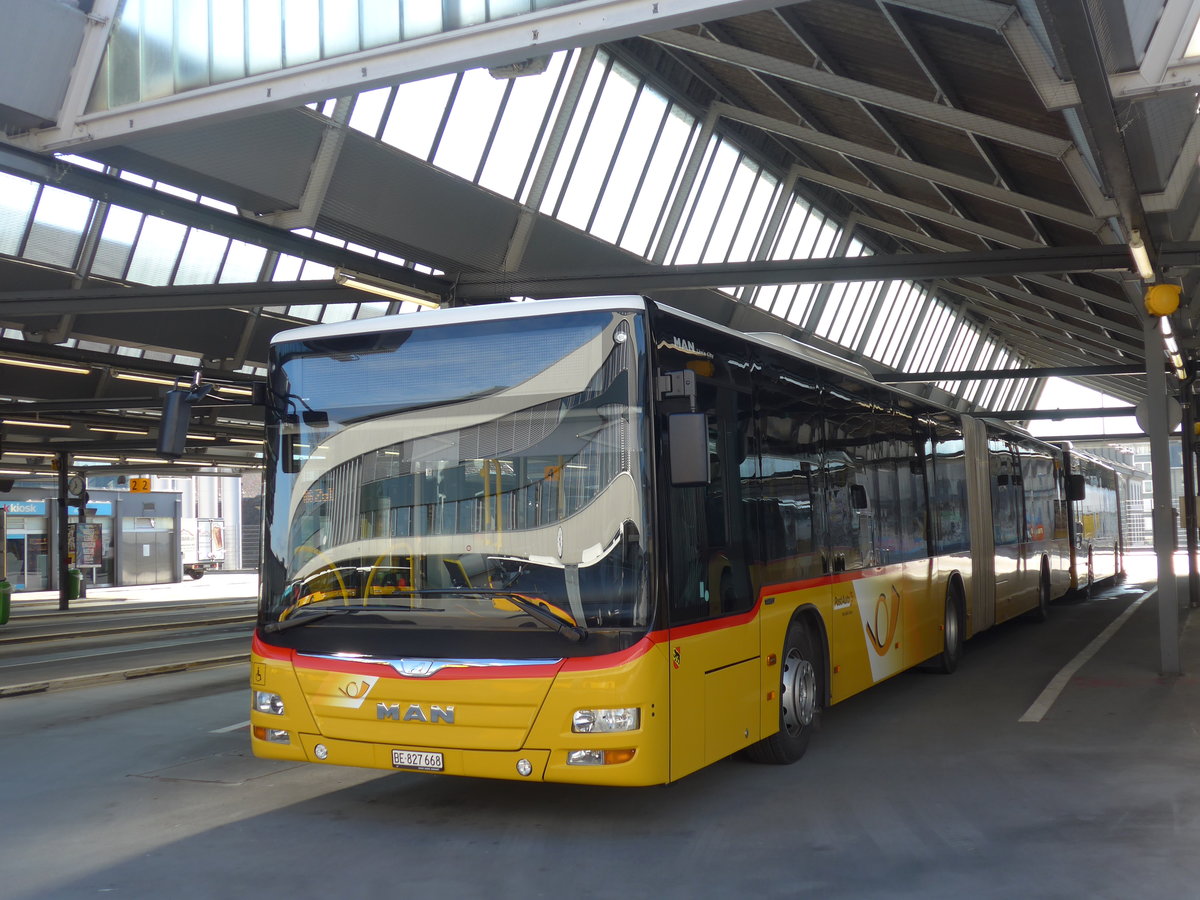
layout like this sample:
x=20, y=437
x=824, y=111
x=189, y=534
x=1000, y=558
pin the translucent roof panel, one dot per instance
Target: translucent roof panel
x=159, y=48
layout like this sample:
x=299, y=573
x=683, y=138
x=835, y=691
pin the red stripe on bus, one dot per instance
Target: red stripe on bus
x=269, y=651
x=608, y=660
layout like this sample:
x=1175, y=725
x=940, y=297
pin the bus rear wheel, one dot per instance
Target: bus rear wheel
x=801, y=696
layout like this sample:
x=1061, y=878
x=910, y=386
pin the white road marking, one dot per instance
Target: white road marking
x=229, y=728
x=1046, y=699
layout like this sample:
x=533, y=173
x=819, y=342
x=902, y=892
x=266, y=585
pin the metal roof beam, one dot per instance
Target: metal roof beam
x=920, y=210
x=1085, y=221
x=1004, y=18
x=1058, y=284
x=1164, y=66
x=123, y=363
x=1033, y=372
x=1101, y=412
x=1048, y=326
x=1072, y=29
x=118, y=191
x=884, y=98
x=500, y=42
x=862, y=268
x=176, y=298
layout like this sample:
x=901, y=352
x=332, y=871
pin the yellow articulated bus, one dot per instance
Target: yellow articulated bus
x=1100, y=494
x=602, y=541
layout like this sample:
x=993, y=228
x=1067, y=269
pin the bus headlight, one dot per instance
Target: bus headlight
x=597, y=721
x=265, y=702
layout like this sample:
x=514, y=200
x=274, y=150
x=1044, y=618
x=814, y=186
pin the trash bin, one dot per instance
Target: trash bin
x=74, y=583
x=5, y=601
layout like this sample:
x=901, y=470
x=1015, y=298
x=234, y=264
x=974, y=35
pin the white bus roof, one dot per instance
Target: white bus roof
x=518, y=310
x=483, y=313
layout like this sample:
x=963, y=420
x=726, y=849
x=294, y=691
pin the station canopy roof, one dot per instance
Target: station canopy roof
x=927, y=187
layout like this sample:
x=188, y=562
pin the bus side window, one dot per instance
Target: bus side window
x=788, y=432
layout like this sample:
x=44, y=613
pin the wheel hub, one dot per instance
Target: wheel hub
x=799, y=692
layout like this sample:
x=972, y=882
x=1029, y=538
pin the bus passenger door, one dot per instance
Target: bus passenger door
x=1008, y=523
x=713, y=635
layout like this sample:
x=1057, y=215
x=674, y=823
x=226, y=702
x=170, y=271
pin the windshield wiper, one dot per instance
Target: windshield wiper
x=574, y=633
x=318, y=614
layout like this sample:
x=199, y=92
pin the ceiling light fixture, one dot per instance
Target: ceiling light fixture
x=117, y=430
x=147, y=379
x=383, y=288
x=1141, y=259
x=49, y=367
x=31, y=424
x=1172, y=346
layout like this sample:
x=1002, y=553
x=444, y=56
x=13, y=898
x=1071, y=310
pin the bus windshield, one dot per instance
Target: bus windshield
x=471, y=476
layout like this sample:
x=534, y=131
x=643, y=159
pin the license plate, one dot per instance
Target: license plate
x=417, y=759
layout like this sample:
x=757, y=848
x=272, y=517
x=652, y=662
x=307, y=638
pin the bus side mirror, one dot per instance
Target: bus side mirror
x=687, y=435
x=1076, y=487
x=289, y=431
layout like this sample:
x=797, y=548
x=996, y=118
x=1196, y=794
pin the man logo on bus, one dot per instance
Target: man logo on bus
x=415, y=713
x=887, y=616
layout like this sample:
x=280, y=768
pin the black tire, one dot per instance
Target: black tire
x=952, y=630
x=1041, y=612
x=801, y=697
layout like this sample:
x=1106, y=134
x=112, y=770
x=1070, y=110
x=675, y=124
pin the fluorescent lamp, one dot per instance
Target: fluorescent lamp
x=1141, y=258
x=1172, y=346
x=147, y=379
x=383, y=288
x=31, y=424
x=49, y=367
x=241, y=392
x=117, y=430
x=255, y=443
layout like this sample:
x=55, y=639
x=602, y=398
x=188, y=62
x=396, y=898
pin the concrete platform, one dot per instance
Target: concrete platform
x=213, y=586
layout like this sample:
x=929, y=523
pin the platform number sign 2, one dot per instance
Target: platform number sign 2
x=139, y=485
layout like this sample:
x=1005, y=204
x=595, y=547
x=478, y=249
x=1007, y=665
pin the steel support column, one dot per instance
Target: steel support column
x=1188, y=449
x=1163, y=513
x=64, y=588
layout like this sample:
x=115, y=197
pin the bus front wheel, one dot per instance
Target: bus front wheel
x=952, y=631
x=1041, y=612
x=801, y=696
